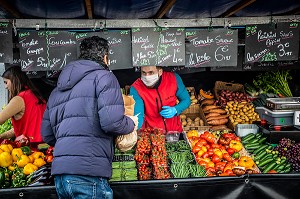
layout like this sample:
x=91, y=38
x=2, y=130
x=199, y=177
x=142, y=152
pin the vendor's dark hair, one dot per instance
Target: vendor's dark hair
x=20, y=82
x=94, y=48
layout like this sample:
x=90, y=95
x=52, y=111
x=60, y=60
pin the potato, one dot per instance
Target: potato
x=192, y=97
x=197, y=119
x=182, y=116
x=194, y=101
x=184, y=123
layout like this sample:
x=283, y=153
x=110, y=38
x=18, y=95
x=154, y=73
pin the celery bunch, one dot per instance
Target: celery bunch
x=274, y=82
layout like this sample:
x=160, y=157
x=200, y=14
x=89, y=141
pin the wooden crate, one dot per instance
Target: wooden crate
x=219, y=85
x=194, y=108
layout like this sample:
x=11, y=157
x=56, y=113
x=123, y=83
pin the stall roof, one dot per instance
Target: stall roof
x=144, y=9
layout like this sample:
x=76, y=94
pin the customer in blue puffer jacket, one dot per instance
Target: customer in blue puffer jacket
x=84, y=113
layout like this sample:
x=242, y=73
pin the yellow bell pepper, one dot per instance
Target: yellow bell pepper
x=23, y=161
x=1, y=150
x=192, y=133
x=246, y=162
x=12, y=167
x=31, y=158
x=5, y=159
x=16, y=154
x=39, y=162
x=38, y=154
x=236, y=145
x=6, y=147
x=29, y=168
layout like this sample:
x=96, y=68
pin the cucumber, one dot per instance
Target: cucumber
x=258, y=135
x=265, y=162
x=258, y=157
x=253, y=141
x=269, y=167
x=252, y=145
x=256, y=151
x=248, y=137
x=263, y=158
x=262, y=140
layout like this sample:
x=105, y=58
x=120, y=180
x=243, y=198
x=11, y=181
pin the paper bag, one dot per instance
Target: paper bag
x=127, y=142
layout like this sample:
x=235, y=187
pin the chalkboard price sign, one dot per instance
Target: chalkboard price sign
x=119, y=47
x=265, y=43
x=158, y=46
x=6, y=44
x=205, y=48
x=46, y=50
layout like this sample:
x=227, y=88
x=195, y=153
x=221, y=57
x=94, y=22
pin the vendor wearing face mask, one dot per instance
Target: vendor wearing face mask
x=155, y=95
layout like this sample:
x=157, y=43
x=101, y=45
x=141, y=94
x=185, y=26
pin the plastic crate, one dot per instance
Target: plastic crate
x=245, y=129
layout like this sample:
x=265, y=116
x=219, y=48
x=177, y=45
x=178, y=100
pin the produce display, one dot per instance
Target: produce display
x=267, y=157
x=220, y=156
x=241, y=112
x=21, y=165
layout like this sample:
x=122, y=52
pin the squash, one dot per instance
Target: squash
x=206, y=95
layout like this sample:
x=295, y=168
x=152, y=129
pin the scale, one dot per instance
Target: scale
x=280, y=118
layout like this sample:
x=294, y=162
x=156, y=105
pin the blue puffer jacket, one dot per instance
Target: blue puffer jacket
x=83, y=114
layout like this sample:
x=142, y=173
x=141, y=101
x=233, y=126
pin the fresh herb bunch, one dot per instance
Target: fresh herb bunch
x=7, y=125
x=274, y=82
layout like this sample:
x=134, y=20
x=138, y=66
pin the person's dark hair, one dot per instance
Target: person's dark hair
x=94, y=48
x=20, y=82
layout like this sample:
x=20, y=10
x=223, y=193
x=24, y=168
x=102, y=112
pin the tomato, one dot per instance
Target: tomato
x=205, y=155
x=215, y=158
x=202, y=163
x=231, y=151
x=196, y=149
x=218, y=153
x=227, y=157
x=272, y=171
x=202, y=141
x=49, y=158
x=237, y=139
x=211, y=164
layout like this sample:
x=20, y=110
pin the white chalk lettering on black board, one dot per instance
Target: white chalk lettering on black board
x=211, y=48
x=119, y=42
x=26, y=63
x=158, y=46
x=6, y=44
x=266, y=43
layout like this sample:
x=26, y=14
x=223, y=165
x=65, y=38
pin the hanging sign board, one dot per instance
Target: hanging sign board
x=46, y=50
x=6, y=44
x=207, y=48
x=158, y=46
x=119, y=47
x=266, y=42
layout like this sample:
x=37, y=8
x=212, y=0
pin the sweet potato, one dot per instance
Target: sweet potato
x=212, y=115
x=217, y=117
x=216, y=110
x=207, y=102
x=209, y=107
x=219, y=127
x=218, y=122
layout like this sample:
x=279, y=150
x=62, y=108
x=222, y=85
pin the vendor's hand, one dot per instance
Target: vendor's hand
x=135, y=120
x=168, y=112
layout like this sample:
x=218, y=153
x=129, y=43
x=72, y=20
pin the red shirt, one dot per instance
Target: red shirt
x=30, y=123
x=154, y=99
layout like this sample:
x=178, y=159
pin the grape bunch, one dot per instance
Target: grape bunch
x=291, y=151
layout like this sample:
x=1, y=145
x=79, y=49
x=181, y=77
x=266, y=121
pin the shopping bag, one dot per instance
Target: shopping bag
x=127, y=142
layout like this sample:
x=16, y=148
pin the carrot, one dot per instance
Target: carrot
x=218, y=122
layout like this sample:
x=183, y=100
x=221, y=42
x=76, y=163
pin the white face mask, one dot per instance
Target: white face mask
x=150, y=80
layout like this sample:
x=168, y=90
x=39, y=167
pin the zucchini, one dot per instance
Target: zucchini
x=262, y=140
x=248, y=137
x=265, y=162
x=263, y=158
x=269, y=167
x=260, y=156
x=253, y=141
x=258, y=135
x=252, y=145
x=257, y=151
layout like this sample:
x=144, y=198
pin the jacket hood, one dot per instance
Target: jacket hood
x=74, y=72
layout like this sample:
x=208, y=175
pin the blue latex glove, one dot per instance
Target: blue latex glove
x=168, y=111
